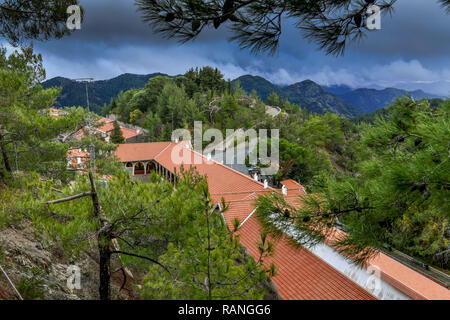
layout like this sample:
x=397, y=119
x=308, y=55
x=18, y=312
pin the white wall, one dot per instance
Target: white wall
x=371, y=282
x=367, y=279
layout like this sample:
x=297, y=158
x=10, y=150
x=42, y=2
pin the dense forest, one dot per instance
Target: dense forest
x=384, y=180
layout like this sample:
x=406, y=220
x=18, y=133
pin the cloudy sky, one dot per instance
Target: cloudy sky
x=411, y=51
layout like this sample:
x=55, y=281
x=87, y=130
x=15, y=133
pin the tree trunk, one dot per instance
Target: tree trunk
x=104, y=245
x=4, y=154
x=105, y=275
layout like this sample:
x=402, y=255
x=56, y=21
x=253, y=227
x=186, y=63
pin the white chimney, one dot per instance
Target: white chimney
x=284, y=190
x=255, y=176
x=266, y=184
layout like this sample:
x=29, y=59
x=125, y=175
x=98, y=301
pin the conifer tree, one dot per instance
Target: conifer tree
x=28, y=133
x=209, y=264
x=397, y=197
x=144, y=224
x=116, y=134
x=33, y=19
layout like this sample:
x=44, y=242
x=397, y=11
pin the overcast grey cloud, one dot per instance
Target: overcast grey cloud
x=411, y=51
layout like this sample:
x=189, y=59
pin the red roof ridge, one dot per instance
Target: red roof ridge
x=248, y=217
x=242, y=192
x=234, y=171
x=401, y=276
x=165, y=148
x=249, y=195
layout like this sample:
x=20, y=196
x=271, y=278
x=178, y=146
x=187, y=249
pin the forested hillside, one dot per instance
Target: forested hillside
x=307, y=93
x=100, y=92
x=341, y=100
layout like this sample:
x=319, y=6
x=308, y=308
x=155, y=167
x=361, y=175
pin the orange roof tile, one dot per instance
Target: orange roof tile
x=293, y=187
x=74, y=154
x=290, y=184
x=140, y=151
x=128, y=133
x=300, y=273
x=221, y=179
x=107, y=125
x=407, y=280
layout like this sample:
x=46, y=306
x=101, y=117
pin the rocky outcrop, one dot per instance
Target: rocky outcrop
x=40, y=270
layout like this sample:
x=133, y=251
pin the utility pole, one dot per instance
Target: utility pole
x=86, y=81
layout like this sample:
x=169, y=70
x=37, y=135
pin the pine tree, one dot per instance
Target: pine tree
x=207, y=264
x=142, y=225
x=257, y=24
x=116, y=134
x=28, y=134
x=397, y=196
x=34, y=19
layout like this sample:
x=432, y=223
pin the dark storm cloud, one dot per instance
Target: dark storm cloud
x=417, y=29
x=118, y=21
x=411, y=50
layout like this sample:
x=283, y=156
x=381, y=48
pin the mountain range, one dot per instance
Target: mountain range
x=338, y=99
x=100, y=92
x=369, y=100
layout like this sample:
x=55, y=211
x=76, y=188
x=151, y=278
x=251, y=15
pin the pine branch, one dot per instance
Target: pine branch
x=81, y=195
x=142, y=257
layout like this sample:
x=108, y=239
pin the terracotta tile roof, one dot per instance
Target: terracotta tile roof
x=108, y=126
x=74, y=154
x=128, y=133
x=291, y=184
x=140, y=151
x=300, y=274
x=407, y=280
x=222, y=180
x=293, y=187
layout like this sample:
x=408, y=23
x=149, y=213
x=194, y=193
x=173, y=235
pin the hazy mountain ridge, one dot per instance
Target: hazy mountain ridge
x=369, y=100
x=100, y=92
x=340, y=99
x=307, y=94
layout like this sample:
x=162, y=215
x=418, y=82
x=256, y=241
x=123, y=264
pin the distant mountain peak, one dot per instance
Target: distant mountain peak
x=307, y=93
